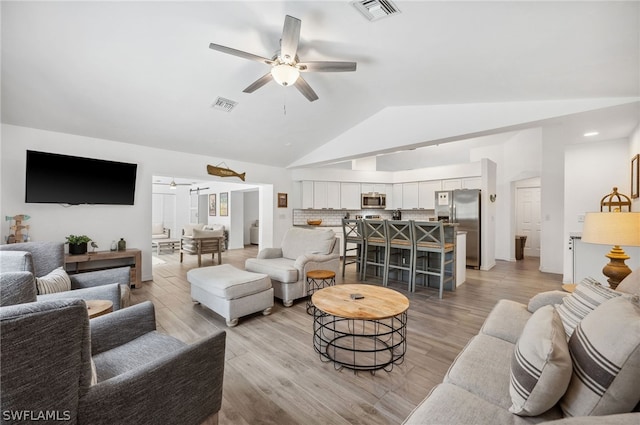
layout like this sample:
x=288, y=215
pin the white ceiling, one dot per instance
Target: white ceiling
x=142, y=72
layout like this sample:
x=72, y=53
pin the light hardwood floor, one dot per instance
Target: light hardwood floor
x=273, y=375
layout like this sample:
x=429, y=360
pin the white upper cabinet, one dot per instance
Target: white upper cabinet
x=396, y=200
x=410, y=195
x=307, y=194
x=472, y=183
x=373, y=187
x=427, y=193
x=326, y=195
x=333, y=195
x=451, y=184
x=350, y=196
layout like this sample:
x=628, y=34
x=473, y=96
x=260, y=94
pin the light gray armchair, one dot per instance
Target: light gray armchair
x=143, y=377
x=40, y=258
x=302, y=250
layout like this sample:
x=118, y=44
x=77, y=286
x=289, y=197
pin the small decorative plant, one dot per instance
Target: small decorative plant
x=77, y=240
x=78, y=244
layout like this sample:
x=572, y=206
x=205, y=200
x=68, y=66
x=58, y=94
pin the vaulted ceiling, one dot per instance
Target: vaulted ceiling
x=142, y=72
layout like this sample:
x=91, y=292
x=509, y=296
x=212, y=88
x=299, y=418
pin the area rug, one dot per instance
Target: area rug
x=155, y=260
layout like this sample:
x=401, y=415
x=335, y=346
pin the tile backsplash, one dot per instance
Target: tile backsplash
x=333, y=218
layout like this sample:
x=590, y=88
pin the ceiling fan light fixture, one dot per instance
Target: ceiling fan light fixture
x=285, y=74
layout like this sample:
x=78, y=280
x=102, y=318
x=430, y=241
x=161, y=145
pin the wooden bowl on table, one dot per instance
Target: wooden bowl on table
x=316, y=222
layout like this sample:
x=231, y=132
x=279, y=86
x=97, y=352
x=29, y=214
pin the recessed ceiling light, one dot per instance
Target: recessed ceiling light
x=591, y=134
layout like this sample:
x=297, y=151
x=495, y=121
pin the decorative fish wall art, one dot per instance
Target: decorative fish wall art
x=224, y=172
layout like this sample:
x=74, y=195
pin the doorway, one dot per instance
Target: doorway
x=528, y=216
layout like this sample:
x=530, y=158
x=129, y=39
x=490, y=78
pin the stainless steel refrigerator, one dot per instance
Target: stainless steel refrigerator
x=462, y=207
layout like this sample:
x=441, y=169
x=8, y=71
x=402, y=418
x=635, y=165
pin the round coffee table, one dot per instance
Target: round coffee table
x=360, y=327
x=97, y=308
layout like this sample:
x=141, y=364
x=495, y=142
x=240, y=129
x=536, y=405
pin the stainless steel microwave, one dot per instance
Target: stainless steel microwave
x=373, y=200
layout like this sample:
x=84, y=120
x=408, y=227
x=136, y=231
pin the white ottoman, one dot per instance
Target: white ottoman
x=230, y=292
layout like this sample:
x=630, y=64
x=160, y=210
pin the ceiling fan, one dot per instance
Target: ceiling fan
x=173, y=185
x=285, y=64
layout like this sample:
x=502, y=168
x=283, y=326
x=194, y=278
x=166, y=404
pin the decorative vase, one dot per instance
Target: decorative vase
x=122, y=245
x=78, y=248
x=114, y=246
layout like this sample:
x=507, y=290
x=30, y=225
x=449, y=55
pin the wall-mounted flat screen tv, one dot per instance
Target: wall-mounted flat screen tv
x=62, y=179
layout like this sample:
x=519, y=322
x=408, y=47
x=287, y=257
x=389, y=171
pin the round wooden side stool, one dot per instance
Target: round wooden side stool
x=316, y=280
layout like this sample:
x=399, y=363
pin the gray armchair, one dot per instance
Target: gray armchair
x=40, y=258
x=143, y=377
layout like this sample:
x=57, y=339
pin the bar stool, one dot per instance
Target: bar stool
x=352, y=231
x=400, y=249
x=429, y=239
x=375, y=242
x=316, y=280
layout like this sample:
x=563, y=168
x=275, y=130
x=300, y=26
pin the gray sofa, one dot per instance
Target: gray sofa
x=478, y=387
x=40, y=258
x=301, y=250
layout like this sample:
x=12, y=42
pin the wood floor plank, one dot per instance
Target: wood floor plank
x=273, y=375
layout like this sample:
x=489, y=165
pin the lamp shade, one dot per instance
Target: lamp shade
x=284, y=74
x=612, y=228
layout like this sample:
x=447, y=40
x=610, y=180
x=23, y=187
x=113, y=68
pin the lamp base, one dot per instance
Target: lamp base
x=616, y=270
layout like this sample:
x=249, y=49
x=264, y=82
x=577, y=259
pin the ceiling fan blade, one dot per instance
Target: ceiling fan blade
x=258, y=83
x=306, y=90
x=325, y=66
x=240, y=53
x=290, y=38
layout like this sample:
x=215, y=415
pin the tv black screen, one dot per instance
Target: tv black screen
x=63, y=179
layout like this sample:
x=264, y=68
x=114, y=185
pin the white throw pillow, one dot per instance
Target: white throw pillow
x=541, y=364
x=605, y=351
x=588, y=295
x=56, y=281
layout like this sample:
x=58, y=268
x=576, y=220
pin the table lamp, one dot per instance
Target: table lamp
x=613, y=228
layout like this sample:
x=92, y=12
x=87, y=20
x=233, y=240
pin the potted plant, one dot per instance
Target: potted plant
x=78, y=244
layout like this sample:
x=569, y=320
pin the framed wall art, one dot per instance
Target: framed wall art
x=224, y=204
x=212, y=204
x=282, y=200
x=635, y=176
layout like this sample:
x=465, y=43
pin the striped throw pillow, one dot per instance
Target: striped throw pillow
x=541, y=364
x=56, y=281
x=605, y=351
x=588, y=295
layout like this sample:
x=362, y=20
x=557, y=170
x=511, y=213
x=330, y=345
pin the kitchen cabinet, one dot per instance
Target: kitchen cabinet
x=373, y=187
x=451, y=184
x=307, y=194
x=396, y=201
x=472, y=183
x=350, y=196
x=410, y=195
x=427, y=193
x=326, y=195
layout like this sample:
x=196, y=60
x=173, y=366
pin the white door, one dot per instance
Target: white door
x=528, y=219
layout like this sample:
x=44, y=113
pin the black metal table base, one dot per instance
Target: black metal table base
x=357, y=344
x=314, y=285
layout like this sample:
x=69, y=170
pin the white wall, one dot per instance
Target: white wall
x=107, y=222
x=591, y=172
x=520, y=157
x=634, y=149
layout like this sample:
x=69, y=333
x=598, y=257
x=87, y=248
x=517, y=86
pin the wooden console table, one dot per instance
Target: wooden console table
x=106, y=260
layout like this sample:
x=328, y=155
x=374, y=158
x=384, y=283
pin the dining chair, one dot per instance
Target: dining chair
x=433, y=254
x=400, y=250
x=352, y=232
x=375, y=242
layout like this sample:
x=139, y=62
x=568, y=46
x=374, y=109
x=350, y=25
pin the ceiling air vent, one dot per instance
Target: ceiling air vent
x=223, y=104
x=376, y=9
